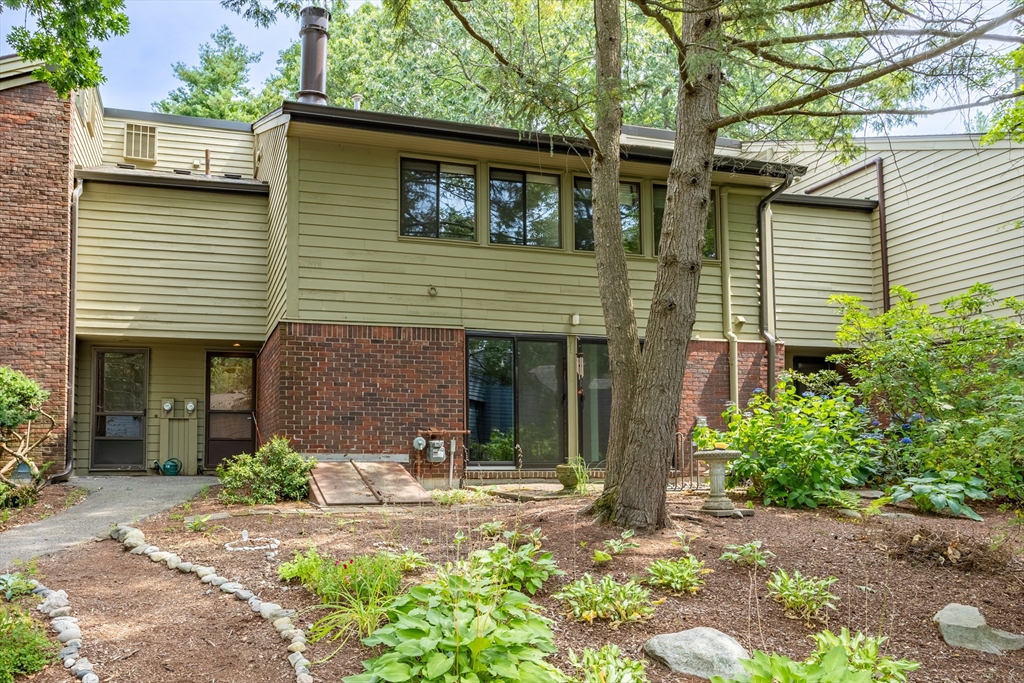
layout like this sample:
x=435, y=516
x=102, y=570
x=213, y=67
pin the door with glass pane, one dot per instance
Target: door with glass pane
x=516, y=396
x=230, y=404
x=595, y=402
x=119, y=417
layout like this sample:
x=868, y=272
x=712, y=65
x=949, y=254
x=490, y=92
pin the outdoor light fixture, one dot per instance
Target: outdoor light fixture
x=575, y=319
x=22, y=475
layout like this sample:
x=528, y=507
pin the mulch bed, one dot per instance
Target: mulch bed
x=53, y=500
x=145, y=623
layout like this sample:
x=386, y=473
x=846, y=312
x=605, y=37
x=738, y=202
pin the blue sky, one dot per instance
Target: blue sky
x=138, y=66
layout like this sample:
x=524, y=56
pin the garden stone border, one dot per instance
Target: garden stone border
x=280, y=618
x=69, y=635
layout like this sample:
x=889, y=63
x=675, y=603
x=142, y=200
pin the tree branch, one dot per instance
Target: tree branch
x=903, y=112
x=849, y=84
x=666, y=23
x=878, y=33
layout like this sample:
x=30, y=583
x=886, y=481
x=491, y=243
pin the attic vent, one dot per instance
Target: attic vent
x=139, y=142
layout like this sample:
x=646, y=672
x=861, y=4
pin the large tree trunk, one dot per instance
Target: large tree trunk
x=612, y=272
x=643, y=478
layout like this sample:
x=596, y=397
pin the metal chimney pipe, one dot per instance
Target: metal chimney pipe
x=313, y=23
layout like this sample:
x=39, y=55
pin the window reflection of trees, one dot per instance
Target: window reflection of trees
x=438, y=200
x=583, y=215
x=710, y=234
x=525, y=209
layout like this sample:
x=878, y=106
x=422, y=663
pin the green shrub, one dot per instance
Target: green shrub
x=274, y=472
x=607, y=665
x=14, y=586
x=462, y=627
x=24, y=647
x=863, y=655
x=803, y=597
x=747, y=555
x=460, y=497
x=681, y=575
x=800, y=450
x=606, y=600
x=523, y=568
x=942, y=491
x=952, y=383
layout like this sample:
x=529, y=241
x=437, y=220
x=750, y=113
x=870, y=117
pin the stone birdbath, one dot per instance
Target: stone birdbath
x=717, y=503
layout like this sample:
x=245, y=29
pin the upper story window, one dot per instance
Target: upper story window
x=438, y=200
x=525, y=208
x=583, y=215
x=710, y=234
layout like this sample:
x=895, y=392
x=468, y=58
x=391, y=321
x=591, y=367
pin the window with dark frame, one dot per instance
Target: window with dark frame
x=710, y=234
x=525, y=208
x=583, y=215
x=438, y=200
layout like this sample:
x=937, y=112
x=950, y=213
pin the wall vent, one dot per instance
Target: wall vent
x=139, y=142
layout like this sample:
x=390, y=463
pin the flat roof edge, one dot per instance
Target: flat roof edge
x=157, y=117
x=841, y=203
x=174, y=181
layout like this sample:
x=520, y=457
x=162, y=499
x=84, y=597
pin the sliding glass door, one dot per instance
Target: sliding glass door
x=595, y=402
x=517, y=396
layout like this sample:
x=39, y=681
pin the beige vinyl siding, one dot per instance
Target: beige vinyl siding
x=818, y=252
x=184, y=147
x=951, y=206
x=156, y=262
x=86, y=128
x=745, y=266
x=273, y=169
x=354, y=267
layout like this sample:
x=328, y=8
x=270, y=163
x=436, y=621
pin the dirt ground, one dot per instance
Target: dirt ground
x=144, y=623
x=53, y=500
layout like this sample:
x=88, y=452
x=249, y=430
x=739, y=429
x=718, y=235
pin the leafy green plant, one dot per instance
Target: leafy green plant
x=198, y=523
x=681, y=575
x=523, y=568
x=410, y=561
x=747, y=555
x=21, y=401
x=952, y=383
x=863, y=654
x=775, y=668
x=14, y=586
x=607, y=665
x=799, y=450
x=607, y=599
x=803, y=597
x=617, y=546
x=600, y=557
x=355, y=592
x=582, y=473
x=461, y=627
x=274, y=472
x=942, y=491
x=24, y=647
x=491, y=529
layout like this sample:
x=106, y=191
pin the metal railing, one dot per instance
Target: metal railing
x=686, y=473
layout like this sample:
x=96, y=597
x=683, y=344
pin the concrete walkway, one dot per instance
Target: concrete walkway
x=110, y=500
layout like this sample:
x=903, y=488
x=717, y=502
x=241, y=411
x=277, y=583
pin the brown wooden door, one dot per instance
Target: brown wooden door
x=230, y=406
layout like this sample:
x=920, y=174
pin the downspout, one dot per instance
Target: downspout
x=767, y=262
x=727, y=324
x=883, y=237
x=69, y=417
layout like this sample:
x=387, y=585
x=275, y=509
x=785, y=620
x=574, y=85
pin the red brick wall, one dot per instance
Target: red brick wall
x=35, y=219
x=362, y=389
x=706, y=385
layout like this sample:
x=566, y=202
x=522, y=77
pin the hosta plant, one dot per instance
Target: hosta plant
x=803, y=597
x=607, y=665
x=462, y=628
x=607, y=600
x=942, y=491
x=522, y=569
x=863, y=655
x=681, y=575
x=747, y=555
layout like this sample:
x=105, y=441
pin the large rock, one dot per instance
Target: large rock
x=964, y=626
x=700, y=651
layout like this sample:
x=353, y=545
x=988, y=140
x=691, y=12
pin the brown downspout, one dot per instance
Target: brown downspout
x=69, y=416
x=767, y=261
x=883, y=237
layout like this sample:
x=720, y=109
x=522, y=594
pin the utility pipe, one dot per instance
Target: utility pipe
x=727, y=324
x=883, y=237
x=768, y=262
x=69, y=415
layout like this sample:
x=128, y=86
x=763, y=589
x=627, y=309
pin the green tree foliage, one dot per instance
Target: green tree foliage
x=21, y=401
x=216, y=88
x=62, y=36
x=953, y=383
